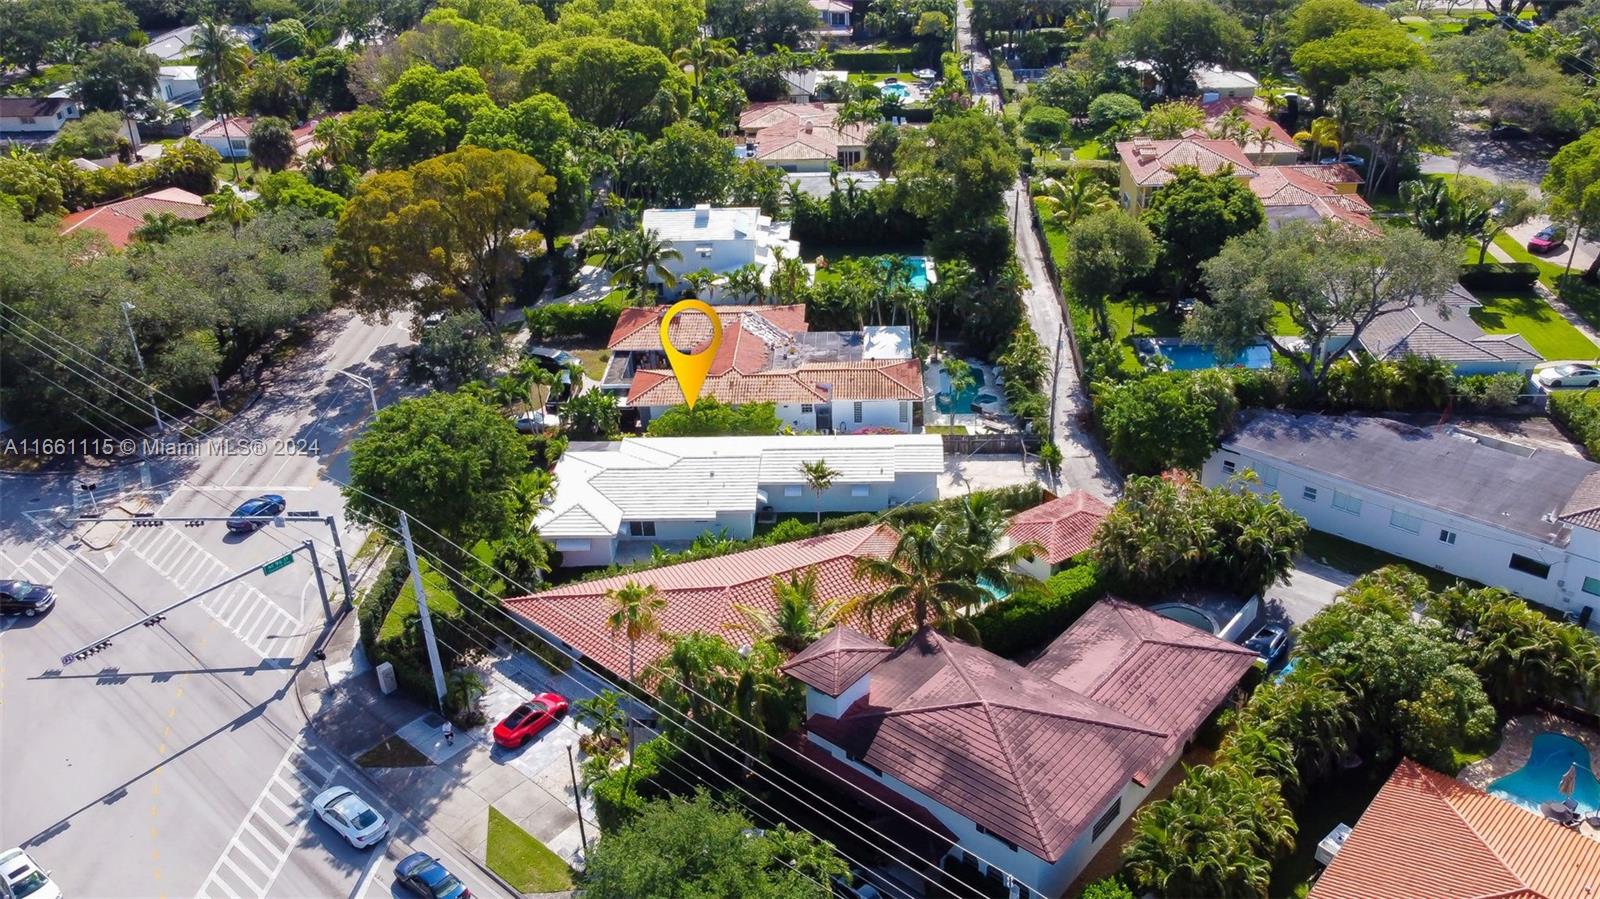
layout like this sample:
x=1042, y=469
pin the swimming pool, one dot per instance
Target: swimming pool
x=919, y=271
x=895, y=89
x=965, y=400
x=1190, y=357
x=1182, y=612
x=1539, y=780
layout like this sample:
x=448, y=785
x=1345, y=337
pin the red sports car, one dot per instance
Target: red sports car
x=528, y=719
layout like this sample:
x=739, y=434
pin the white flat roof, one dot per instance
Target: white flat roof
x=886, y=342
x=725, y=223
x=1218, y=79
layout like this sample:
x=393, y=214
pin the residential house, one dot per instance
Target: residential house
x=179, y=85
x=233, y=141
x=1031, y=769
x=119, y=220
x=1445, y=331
x=35, y=120
x=1477, y=507
x=1288, y=191
x=1217, y=83
x=833, y=17
x=1428, y=834
x=827, y=381
x=174, y=46
x=1279, y=148
x=719, y=241
x=626, y=496
x=1121, y=9
x=800, y=137
x=1063, y=528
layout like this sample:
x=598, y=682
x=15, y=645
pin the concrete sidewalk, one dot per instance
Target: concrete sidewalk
x=450, y=792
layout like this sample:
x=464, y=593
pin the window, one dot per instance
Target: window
x=641, y=529
x=29, y=120
x=1107, y=819
x=1344, y=502
x=1591, y=586
x=792, y=490
x=806, y=408
x=859, y=490
x=239, y=144
x=1411, y=524
x=858, y=413
x=572, y=545
x=1268, y=476
x=905, y=412
x=1228, y=466
x=987, y=832
x=1309, y=494
x=1447, y=537
x=1529, y=566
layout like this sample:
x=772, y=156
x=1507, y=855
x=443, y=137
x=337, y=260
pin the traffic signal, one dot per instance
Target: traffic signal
x=154, y=620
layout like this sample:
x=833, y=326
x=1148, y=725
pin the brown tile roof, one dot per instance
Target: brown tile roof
x=1583, y=507
x=836, y=660
x=1003, y=747
x=1151, y=161
x=885, y=795
x=638, y=328
x=1337, y=173
x=1063, y=526
x=117, y=221
x=814, y=382
x=1287, y=186
x=796, y=131
x=1158, y=671
x=1254, y=114
x=701, y=595
x=1429, y=835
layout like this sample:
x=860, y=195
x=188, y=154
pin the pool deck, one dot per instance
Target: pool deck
x=1516, y=744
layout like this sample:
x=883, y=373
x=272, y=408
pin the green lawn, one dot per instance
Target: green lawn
x=945, y=429
x=523, y=861
x=1355, y=558
x=1526, y=313
x=441, y=601
x=594, y=362
x=1550, y=268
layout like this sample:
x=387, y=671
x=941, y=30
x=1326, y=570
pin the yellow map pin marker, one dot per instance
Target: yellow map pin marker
x=691, y=368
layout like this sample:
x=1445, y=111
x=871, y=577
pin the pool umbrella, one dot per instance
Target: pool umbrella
x=1569, y=783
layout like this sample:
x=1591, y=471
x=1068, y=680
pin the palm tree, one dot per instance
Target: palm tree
x=635, y=608
x=640, y=255
x=958, y=379
x=746, y=283
x=607, y=722
x=1064, y=201
x=1232, y=125
x=220, y=59
x=1328, y=132
x=700, y=56
x=800, y=618
x=819, y=477
x=463, y=688
x=1095, y=19
x=1263, y=136
x=789, y=275
x=227, y=206
x=160, y=227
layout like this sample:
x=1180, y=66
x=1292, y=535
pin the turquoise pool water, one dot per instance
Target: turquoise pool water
x=995, y=591
x=1539, y=780
x=963, y=401
x=895, y=89
x=917, y=269
x=1188, y=357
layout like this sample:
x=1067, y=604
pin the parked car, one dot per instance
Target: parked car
x=23, y=877
x=1568, y=374
x=1549, y=239
x=423, y=875
x=528, y=719
x=359, y=823
x=1349, y=159
x=252, y=513
x=26, y=598
x=552, y=358
x=1508, y=131
x=1268, y=642
x=537, y=421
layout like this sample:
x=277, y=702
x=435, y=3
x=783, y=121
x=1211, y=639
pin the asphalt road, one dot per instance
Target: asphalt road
x=177, y=762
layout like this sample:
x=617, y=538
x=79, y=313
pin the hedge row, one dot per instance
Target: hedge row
x=1579, y=412
x=592, y=321
x=1036, y=614
x=1012, y=499
x=874, y=60
x=1500, y=276
x=621, y=794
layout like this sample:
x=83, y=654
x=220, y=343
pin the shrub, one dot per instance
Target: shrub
x=1499, y=276
x=593, y=321
x=1046, y=124
x=1037, y=613
x=1579, y=413
x=380, y=597
x=1107, y=888
x=1496, y=391
x=874, y=60
x=619, y=795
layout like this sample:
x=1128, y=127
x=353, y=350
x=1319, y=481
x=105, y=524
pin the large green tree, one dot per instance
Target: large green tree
x=1105, y=251
x=116, y=77
x=689, y=164
x=1193, y=215
x=271, y=144
x=1326, y=63
x=608, y=82
x=1177, y=36
x=1572, y=187
x=1165, y=420
x=956, y=171
x=451, y=460
x=450, y=232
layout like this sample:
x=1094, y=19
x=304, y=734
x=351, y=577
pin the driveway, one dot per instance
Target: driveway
x=1311, y=587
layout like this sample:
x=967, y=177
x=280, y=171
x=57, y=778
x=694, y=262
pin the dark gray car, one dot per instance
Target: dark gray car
x=25, y=598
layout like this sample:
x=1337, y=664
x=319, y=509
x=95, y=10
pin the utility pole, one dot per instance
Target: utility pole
x=322, y=588
x=422, y=611
x=372, y=393
x=139, y=358
x=338, y=556
x=577, y=806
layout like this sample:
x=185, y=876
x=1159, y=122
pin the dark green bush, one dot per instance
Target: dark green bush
x=874, y=60
x=380, y=597
x=1579, y=413
x=1037, y=613
x=620, y=795
x=587, y=320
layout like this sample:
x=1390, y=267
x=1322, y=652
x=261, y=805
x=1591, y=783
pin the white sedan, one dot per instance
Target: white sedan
x=23, y=877
x=1568, y=374
x=341, y=809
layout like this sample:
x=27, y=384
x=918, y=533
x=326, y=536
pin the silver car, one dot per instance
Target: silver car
x=341, y=809
x=1568, y=374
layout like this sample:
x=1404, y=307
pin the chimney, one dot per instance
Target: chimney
x=702, y=215
x=808, y=127
x=1144, y=150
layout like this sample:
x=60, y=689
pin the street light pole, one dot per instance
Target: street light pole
x=422, y=611
x=139, y=358
x=372, y=393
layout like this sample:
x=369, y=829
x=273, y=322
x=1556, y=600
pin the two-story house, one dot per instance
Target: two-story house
x=720, y=241
x=800, y=137
x=1474, y=506
x=35, y=120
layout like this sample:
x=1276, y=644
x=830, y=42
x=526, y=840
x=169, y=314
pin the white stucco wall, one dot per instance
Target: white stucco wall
x=600, y=551
x=1479, y=552
x=44, y=124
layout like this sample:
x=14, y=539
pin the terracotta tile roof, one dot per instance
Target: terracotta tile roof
x=796, y=131
x=837, y=660
x=1151, y=161
x=1251, y=109
x=701, y=595
x=1158, y=671
x=1583, y=507
x=1427, y=834
x=808, y=383
x=1063, y=526
x=1291, y=186
x=638, y=327
x=1337, y=173
x=1001, y=746
x=117, y=221
x=884, y=794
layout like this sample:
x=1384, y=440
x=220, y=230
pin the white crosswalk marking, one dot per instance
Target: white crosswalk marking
x=261, y=624
x=45, y=563
x=275, y=823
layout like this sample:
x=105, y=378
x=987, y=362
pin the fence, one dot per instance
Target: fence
x=990, y=444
